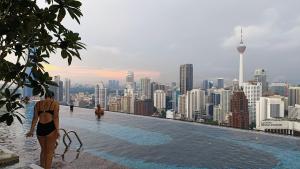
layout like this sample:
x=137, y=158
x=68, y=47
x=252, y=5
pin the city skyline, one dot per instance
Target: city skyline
x=153, y=39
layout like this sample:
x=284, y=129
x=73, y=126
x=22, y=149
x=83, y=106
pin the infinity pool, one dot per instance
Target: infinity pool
x=152, y=143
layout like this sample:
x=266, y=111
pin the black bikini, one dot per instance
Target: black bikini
x=43, y=129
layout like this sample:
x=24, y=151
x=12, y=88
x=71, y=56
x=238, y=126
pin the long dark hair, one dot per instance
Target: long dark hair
x=49, y=94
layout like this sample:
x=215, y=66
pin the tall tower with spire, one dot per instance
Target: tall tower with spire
x=241, y=49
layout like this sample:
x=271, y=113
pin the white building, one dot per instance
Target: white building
x=253, y=91
x=159, y=99
x=225, y=96
x=269, y=108
x=145, y=88
x=294, y=112
x=218, y=114
x=101, y=95
x=67, y=91
x=294, y=96
x=195, y=103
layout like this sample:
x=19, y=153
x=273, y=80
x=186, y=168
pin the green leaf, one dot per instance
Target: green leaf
x=64, y=53
x=61, y=15
x=9, y=120
x=69, y=60
x=20, y=120
x=36, y=91
x=4, y=117
x=7, y=92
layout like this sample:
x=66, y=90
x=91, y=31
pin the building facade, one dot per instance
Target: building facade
x=239, y=110
x=186, y=78
x=195, y=103
x=159, y=100
x=260, y=75
x=294, y=96
x=145, y=88
x=143, y=107
x=253, y=92
x=67, y=87
x=269, y=108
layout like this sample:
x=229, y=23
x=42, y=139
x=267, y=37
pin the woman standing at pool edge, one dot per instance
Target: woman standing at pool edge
x=46, y=114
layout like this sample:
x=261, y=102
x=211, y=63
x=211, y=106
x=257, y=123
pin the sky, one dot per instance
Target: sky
x=153, y=38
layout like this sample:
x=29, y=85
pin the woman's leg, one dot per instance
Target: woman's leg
x=42, y=141
x=50, y=146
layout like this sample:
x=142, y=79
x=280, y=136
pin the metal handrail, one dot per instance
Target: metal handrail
x=66, y=134
x=74, y=132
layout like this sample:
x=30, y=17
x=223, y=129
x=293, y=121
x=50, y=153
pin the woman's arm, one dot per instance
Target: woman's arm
x=34, y=120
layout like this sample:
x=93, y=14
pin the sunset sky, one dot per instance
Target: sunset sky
x=153, y=37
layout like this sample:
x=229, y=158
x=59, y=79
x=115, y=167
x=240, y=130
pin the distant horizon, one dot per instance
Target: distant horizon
x=152, y=39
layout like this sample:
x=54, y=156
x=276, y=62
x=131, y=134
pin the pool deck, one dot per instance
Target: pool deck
x=7, y=157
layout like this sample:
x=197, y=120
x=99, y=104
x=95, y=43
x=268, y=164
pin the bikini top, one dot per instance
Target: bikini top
x=47, y=111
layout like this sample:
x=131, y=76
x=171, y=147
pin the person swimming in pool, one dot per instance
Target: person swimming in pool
x=98, y=111
x=46, y=114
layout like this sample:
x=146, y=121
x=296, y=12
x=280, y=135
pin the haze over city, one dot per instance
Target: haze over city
x=152, y=38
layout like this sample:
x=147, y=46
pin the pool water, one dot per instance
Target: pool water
x=150, y=143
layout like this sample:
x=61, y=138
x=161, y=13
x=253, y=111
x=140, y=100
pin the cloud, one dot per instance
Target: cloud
x=269, y=34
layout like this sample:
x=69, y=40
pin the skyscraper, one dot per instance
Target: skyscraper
x=181, y=104
x=195, y=103
x=220, y=83
x=186, y=78
x=241, y=49
x=130, y=80
x=253, y=91
x=261, y=76
x=61, y=91
x=145, y=88
x=239, y=109
x=294, y=96
x=27, y=91
x=113, y=84
x=67, y=91
x=160, y=100
x=56, y=88
x=101, y=95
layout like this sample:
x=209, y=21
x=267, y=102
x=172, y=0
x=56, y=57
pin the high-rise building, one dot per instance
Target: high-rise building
x=294, y=96
x=241, y=49
x=67, y=91
x=224, y=105
x=186, y=78
x=279, y=88
x=220, y=83
x=143, y=107
x=175, y=95
x=27, y=91
x=56, y=89
x=159, y=100
x=195, y=103
x=253, y=91
x=261, y=76
x=239, y=110
x=101, y=95
x=154, y=86
x=61, y=91
x=181, y=104
x=130, y=80
x=269, y=108
x=145, y=88
x=206, y=84
x=113, y=84
x=114, y=104
x=126, y=104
